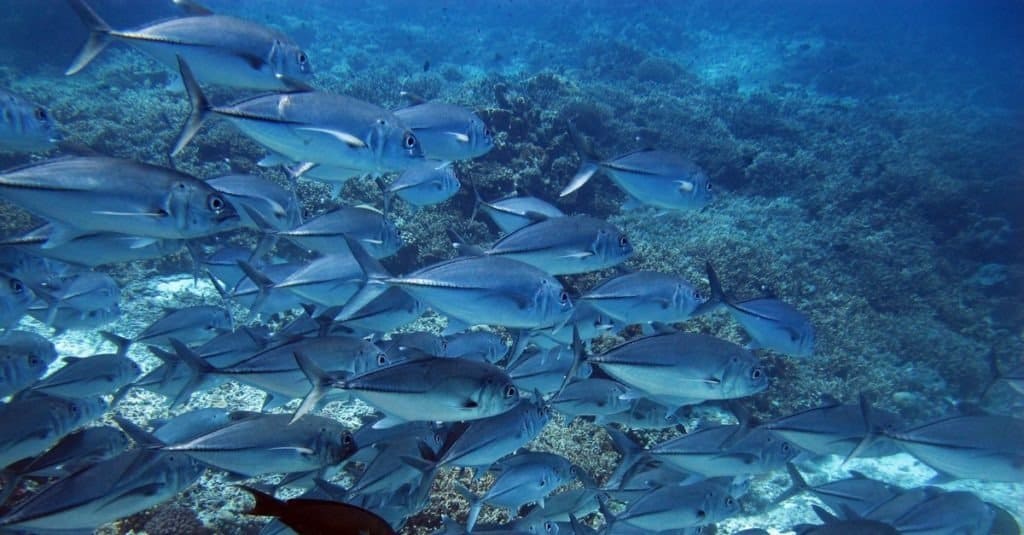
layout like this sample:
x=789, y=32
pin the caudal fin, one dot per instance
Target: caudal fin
x=200, y=107
x=589, y=162
x=99, y=36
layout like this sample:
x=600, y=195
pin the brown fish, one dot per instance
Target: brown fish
x=319, y=517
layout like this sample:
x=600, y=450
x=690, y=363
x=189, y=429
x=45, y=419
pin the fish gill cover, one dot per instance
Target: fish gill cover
x=854, y=171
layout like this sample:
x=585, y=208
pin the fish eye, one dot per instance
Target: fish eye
x=729, y=501
x=510, y=391
x=215, y=203
x=346, y=439
x=623, y=241
x=785, y=447
x=302, y=58
x=564, y=298
x=33, y=360
x=756, y=374
x=697, y=296
x=16, y=286
x=40, y=114
x=382, y=359
x=409, y=140
x=708, y=186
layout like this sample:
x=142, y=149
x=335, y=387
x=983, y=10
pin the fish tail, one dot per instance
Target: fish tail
x=376, y=281
x=799, y=484
x=121, y=342
x=200, y=107
x=99, y=36
x=475, y=504
x=321, y=383
x=197, y=367
x=266, y=505
x=589, y=162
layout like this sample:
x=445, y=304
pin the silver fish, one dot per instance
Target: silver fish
x=522, y=478
x=448, y=132
x=644, y=413
x=477, y=345
x=24, y=358
x=79, y=291
x=684, y=368
x=15, y=299
x=83, y=195
x=195, y=324
x=391, y=310
x=275, y=207
x=834, y=428
x=95, y=249
x=97, y=375
x=314, y=127
x=972, y=447
x=772, y=324
x=645, y=297
x=591, y=397
x=649, y=176
x=367, y=225
x=223, y=50
x=489, y=290
x=25, y=126
x=514, y=213
x=109, y=490
x=426, y=184
x=429, y=389
x=269, y=443
x=858, y=494
x=726, y=450
x=566, y=245
x=32, y=425
x=480, y=443
x=674, y=507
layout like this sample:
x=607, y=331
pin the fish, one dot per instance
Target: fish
x=78, y=291
x=480, y=443
x=940, y=512
x=368, y=226
x=328, y=281
x=430, y=389
x=74, y=319
x=133, y=481
x=257, y=290
x=513, y=213
x=314, y=517
x=542, y=370
x=650, y=177
x=859, y=494
x=24, y=358
x=275, y=207
x=270, y=443
x=426, y=184
x=726, y=451
x=834, y=428
x=684, y=368
x=985, y=447
x=448, y=132
x=836, y=526
x=26, y=126
x=772, y=324
x=15, y=299
x=97, y=375
x=95, y=249
x=591, y=397
x=674, y=507
x=32, y=425
x=194, y=324
x=311, y=126
x=523, y=478
x=644, y=413
x=646, y=297
x=82, y=195
x=483, y=345
x=388, y=312
x=565, y=245
x=223, y=50
x=74, y=452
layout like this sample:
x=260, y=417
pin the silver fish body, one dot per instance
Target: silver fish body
x=314, y=127
x=646, y=296
x=482, y=442
x=726, y=451
x=683, y=368
x=274, y=206
x=95, y=249
x=490, y=290
x=837, y=429
x=426, y=184
x=514, y=213
x=97, y=375
x=368, y=226
x=266, y=444
x=972, y=447
x=652, y=177
x=591, y=397
x=32, y=425
x=221, y=49
x=24, y=358
x=673, y=507
x=566, y=245
x=25, y=126
x=435, y=389
x=82, y=195
x=448, y=132
x=15, y=298
x=195, y=324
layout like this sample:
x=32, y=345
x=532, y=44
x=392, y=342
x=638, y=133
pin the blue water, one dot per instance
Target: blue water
x=867, y=157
